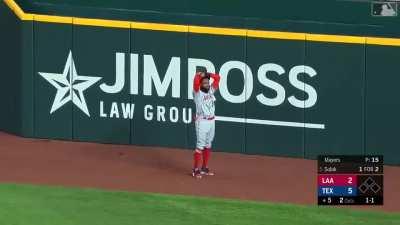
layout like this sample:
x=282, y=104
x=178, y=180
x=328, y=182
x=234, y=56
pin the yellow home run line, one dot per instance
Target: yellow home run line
x=202, y=29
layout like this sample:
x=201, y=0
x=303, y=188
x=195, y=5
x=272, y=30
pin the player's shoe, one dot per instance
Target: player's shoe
x=196, y=173
x=206, y=171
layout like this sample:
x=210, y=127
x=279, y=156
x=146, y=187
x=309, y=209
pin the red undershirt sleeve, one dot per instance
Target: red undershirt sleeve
x=216, y=79
x=196, y=82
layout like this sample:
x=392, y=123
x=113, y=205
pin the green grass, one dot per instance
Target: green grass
x=37, y=205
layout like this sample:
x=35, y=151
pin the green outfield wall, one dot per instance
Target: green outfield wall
x=296, y=97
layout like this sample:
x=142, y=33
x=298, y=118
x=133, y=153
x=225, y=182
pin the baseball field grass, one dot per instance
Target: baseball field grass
x=41, y=205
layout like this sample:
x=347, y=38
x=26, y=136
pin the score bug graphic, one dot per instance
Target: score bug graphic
x=350, y=180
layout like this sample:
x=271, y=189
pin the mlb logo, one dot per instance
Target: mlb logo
x=386, y=9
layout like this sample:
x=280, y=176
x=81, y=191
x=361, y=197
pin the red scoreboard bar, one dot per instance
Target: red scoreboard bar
x=350, y=180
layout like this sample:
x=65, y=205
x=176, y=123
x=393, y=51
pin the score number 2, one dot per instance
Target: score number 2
x=350, y=180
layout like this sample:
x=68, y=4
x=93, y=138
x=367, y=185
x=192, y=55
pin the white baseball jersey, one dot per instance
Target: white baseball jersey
x=205, y=112
x=205, y=103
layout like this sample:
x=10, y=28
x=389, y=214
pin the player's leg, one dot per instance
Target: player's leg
x=207, y=150
x=196, y=172
x=201, y=134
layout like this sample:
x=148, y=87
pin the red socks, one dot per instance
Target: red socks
x=196, y=159
x=206, y=157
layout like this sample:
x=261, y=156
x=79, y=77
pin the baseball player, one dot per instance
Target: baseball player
x=203, y=95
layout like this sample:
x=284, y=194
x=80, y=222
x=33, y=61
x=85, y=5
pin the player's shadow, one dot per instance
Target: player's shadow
x=166, y=161
x=175, y=161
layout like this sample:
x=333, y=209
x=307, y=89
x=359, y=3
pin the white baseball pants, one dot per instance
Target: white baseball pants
x=205, y=131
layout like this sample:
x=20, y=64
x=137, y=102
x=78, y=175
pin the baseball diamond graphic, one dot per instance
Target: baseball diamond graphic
x=70, y=86
x=369, y=184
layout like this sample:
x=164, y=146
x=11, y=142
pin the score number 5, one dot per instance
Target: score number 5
x=350, y=190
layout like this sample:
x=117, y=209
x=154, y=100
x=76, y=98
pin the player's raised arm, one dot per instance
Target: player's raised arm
x=216, y=77
x=197, y=82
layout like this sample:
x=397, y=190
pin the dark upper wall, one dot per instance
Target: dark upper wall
x=329, y=16
x=338, y=11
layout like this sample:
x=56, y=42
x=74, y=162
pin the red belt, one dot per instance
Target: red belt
x=205, y=118
x=209, y=118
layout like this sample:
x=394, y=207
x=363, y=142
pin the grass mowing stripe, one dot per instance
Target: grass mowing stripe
x=40, y=205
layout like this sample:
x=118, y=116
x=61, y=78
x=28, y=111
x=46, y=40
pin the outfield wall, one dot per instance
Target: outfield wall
x=129, y=83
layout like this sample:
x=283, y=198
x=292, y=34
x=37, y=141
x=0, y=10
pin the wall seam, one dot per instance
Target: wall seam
x=304, y=109
x=72, y=96
x=244, y=150
x=365, y=101
x=33, y=78
x=187, y=100
x=132, y=97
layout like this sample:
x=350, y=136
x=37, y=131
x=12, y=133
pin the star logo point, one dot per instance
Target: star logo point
x=70, y=86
